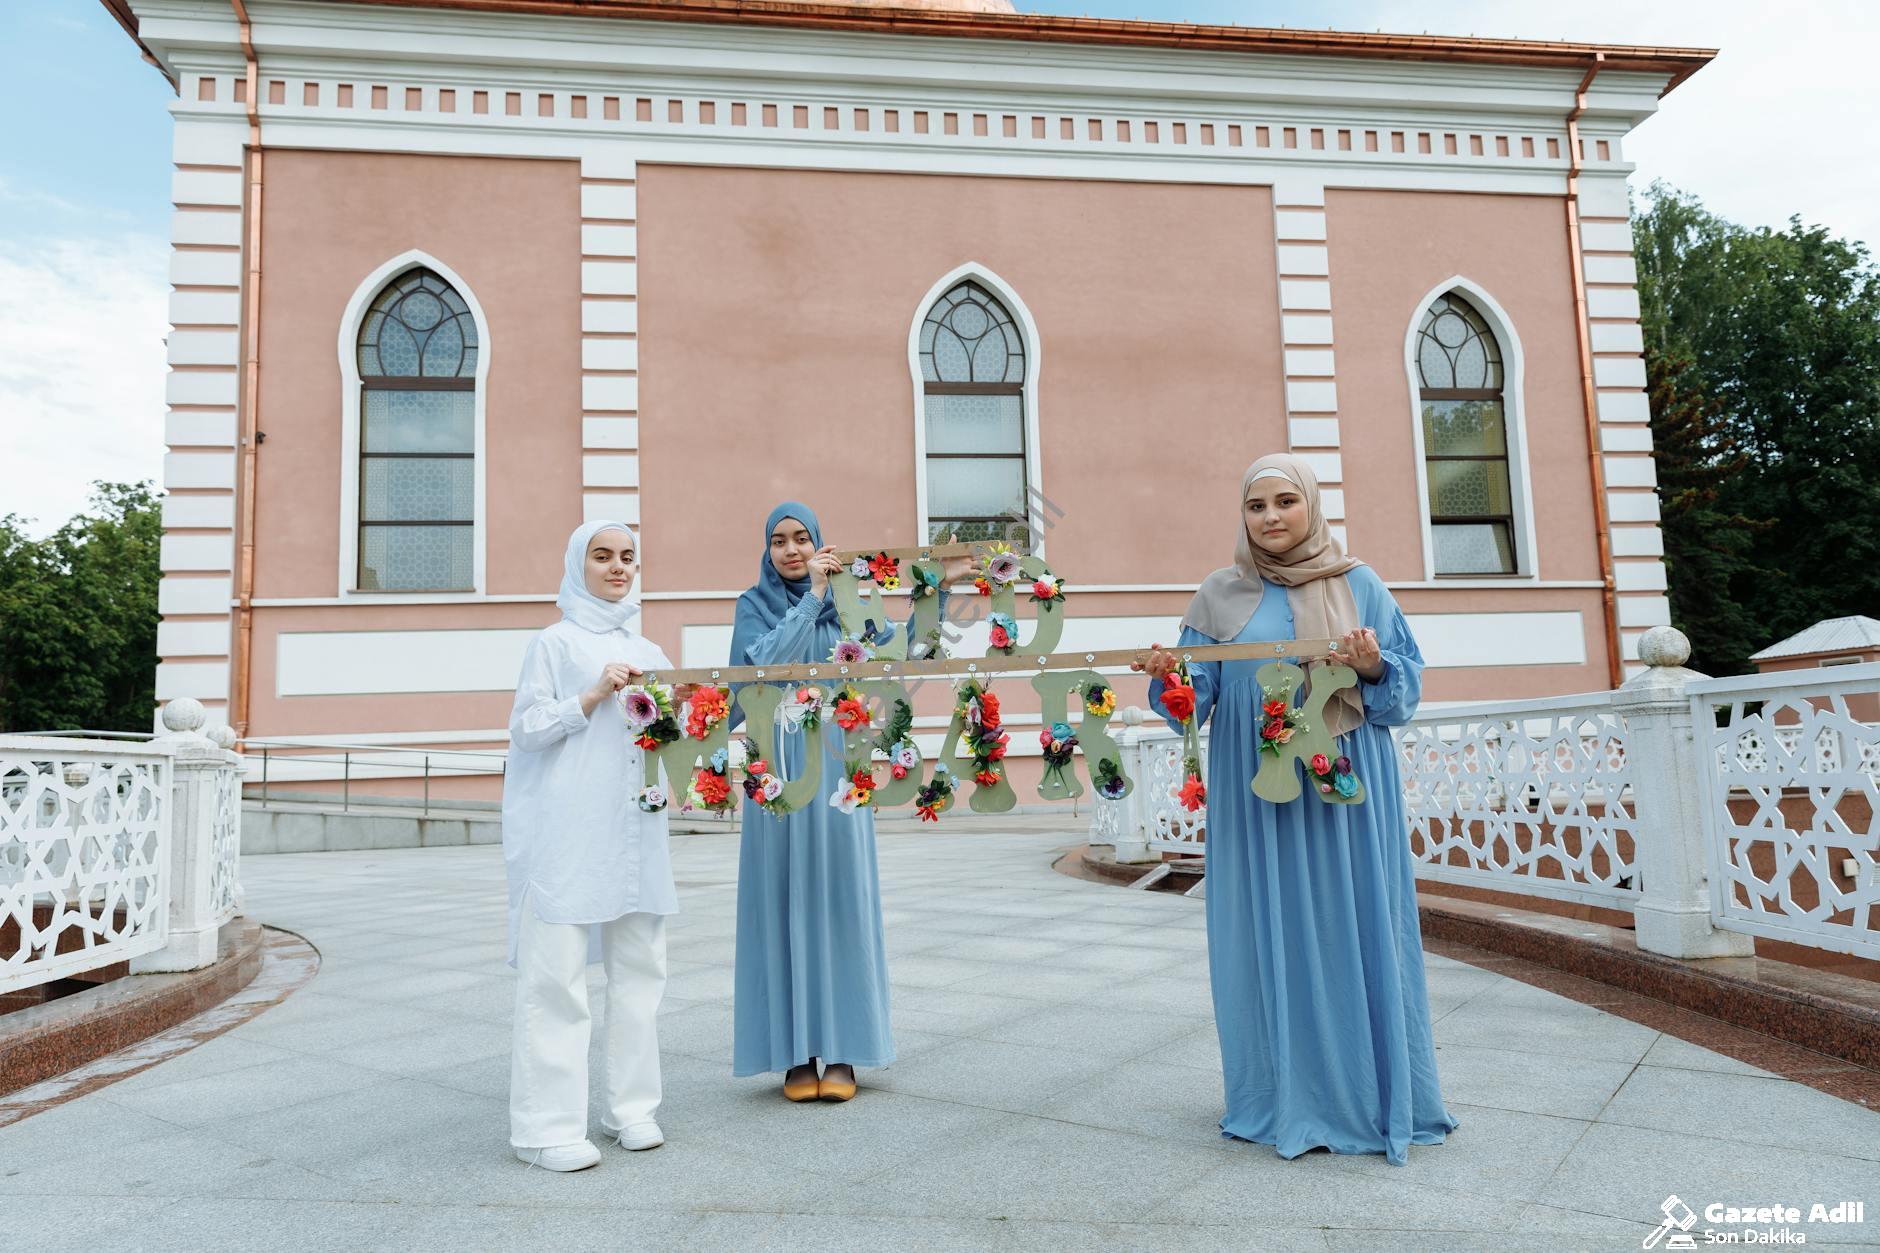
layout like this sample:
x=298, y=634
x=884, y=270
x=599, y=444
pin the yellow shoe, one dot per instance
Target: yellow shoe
x=838, y=1083
x=801, y=1084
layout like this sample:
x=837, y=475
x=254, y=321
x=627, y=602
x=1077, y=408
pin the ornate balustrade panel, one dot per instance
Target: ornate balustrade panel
x=225, y=887
x=84, y=856
x=1157, y=768
x=1792, y=779
x=1532, y=797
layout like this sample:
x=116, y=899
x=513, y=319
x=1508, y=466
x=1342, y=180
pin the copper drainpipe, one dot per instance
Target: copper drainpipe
x=1589, y=396
x=251, y=386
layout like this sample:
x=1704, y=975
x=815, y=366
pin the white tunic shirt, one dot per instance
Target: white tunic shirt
x=576, y=844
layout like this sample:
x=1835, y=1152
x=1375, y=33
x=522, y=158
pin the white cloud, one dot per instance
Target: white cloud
x=1780, y=123
x=82, y=364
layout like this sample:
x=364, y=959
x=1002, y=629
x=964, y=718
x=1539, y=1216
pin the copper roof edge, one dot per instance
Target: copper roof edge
x=1678, y=63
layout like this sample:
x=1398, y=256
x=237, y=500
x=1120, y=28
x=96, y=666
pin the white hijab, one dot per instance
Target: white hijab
x=582, y=607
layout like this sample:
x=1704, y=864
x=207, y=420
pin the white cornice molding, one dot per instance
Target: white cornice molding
x=302, y=37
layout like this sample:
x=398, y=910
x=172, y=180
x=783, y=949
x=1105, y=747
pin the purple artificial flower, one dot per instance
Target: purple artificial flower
x=641, y=709
x=1342, y=765
x=1003, y=568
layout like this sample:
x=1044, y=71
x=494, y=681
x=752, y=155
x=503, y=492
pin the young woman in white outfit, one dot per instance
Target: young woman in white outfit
x=590, y=878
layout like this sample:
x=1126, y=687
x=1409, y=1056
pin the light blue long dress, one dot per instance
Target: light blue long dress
x=812, y=971
x=1314, y=951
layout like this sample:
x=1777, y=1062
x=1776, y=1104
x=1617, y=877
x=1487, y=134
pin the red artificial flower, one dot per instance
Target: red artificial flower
x=1044, y=736
x=1272, y=729
x=1321, y=764
x=899, y=772
x=996, y=752
x=1194, y=793
x=1274, y=708
x=1044, y=589
x=1000, y=638
x=647, y=742
x=864, y=781
x=1179, y=699
x=988, y=710
x=706, y=708
x=927, y=813
x=984, y=588
x=986, y=778
x=851, y=713
x=758, y=767
x=712, y=787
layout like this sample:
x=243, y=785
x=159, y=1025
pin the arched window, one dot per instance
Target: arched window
x=417, y=357
x=1465, y=440
x=972, y=364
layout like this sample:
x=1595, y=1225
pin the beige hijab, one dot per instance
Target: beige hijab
x=1312, y=572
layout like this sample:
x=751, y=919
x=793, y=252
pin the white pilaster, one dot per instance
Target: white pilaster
x=200, y=427
x=1303, y=260
x=1625, y=438
x=610, y=350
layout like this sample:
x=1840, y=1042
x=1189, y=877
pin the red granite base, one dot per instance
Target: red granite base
x=1822, y=1011
x=49, y=1039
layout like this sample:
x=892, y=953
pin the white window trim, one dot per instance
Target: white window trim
x=349, y=324
x=1034, y=353
x=1514, y=416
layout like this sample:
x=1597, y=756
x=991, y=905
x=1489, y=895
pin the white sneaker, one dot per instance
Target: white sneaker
x=563, y=1157
x=641, y=1135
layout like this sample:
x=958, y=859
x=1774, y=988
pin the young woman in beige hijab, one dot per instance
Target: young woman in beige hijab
x=1314, y=953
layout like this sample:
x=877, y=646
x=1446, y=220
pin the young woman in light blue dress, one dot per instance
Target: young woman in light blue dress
x=1314, y=952
x=812, y=976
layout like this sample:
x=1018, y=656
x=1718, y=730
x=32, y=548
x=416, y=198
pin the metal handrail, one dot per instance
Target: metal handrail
x=345, y=759
x=90, y=734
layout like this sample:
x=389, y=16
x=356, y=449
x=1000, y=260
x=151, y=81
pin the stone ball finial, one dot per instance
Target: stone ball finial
x=1664, y=646
x=1132, y=716
x=184, y=714
x=222, y=736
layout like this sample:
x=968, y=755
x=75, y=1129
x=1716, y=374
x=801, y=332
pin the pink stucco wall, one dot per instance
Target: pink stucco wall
x=511, y=231
x=1388, y=250
x=775, y=310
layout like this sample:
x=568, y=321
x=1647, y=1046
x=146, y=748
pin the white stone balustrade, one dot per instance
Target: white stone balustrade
x=1714, y=810
x=114, y=851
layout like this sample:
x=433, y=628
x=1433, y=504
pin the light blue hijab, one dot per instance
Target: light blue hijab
x=763, y=606
x=582, y=607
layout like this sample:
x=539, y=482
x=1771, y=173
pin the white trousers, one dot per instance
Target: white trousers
x=548, y=1068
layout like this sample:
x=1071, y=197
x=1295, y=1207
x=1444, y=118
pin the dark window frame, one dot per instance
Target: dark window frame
x=1457, y=302
x=999, y=318
x=390, y=298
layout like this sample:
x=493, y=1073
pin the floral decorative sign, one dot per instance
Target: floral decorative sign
x=855, y=708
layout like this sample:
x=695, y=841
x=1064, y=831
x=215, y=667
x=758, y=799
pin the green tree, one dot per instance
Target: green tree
x=1709, y=551
x=78, y=616
x=1781, y=331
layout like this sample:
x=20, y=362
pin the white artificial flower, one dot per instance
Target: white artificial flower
x=843, y=798
x=773, y=787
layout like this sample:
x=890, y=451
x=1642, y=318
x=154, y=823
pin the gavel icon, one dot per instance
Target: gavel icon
x=1677, y=1214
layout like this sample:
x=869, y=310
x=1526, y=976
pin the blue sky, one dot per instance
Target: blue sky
x=1781, y=123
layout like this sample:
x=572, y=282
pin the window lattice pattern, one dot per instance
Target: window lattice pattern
x=417, y=470
x=418, y=327
x=1465, y=440
x=972, y=360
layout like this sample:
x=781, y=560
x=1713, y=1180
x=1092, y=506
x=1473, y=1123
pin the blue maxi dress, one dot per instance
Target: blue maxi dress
x=812, y=970
x=1314, y=952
